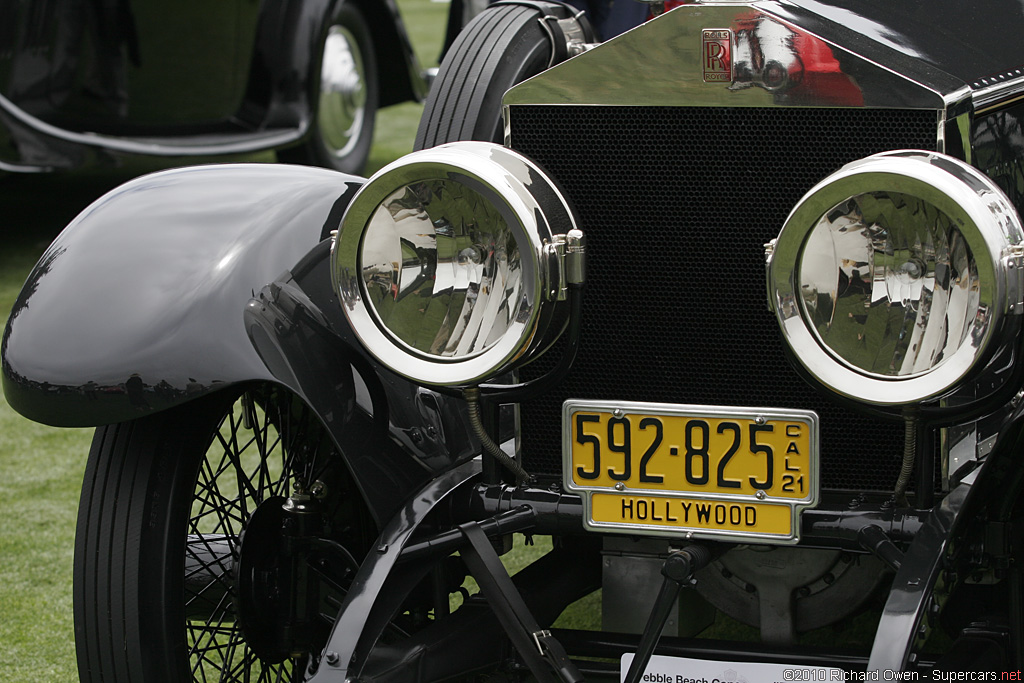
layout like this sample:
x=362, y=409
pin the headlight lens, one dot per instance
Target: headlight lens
x=892, y=277
x=889, y=284
x=441, y=269
x=443, y=262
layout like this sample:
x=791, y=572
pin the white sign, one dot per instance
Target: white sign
x=685, y=670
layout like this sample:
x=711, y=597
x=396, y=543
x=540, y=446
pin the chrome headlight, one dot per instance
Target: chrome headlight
x=446, y=262
x=892, y=278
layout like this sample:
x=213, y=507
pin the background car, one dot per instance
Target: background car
x=80, y=80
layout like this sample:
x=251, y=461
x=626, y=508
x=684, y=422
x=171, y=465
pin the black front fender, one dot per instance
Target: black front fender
x=138, y=305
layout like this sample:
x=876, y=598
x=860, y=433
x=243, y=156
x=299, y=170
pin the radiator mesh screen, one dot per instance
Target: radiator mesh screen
x=677, y=204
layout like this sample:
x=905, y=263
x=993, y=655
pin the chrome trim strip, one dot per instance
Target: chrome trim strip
x=24, y=168
x=955, y=120
x=148, y=146
x=999, y=91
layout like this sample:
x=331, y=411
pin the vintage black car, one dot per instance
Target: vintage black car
x=733, y=315
x=86, y=79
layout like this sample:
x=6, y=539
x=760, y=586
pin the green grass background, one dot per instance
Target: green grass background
x=41, y=468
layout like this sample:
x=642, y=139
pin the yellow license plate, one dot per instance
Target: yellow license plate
x=691, y=471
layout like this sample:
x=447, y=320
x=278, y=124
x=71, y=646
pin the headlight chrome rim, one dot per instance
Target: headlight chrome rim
x=979, y=211
x=532, y=209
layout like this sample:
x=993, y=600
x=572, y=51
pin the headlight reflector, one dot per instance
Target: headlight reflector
x=891, y=277
x=444, y=262
x=889, y=284
x=441, y=269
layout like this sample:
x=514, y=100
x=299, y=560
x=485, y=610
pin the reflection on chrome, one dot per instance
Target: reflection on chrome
x=441, y=269
x=766, y=56
x=892, y=288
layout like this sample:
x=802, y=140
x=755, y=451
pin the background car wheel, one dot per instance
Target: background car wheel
x=346, y=107
x=502, y=46
x=179, y=533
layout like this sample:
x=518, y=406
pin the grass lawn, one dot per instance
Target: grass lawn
x=42, y=467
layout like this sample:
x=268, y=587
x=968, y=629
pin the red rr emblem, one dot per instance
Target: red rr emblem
x=716, y=54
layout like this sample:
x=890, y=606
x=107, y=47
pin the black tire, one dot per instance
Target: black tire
x=347, y=97
x=165, y=494
x=502, y=46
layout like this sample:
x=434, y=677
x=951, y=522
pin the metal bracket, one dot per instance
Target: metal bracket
x=678, y=570
x=568, y=33
x=1013, y=260
x=568, y=37
x=537, y=636
x=368, y=585
x=513, y=614
x=566, y=255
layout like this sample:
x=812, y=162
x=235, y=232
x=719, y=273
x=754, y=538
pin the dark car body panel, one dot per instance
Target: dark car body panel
x=144, y=296
x=971, y=48
x=85, y=64
x=79, y=78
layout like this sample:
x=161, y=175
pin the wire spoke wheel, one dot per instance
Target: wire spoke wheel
x=242, y=468
x=161, y=557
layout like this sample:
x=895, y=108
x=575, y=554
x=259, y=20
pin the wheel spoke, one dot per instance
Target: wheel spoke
x=224, y=610
x=236, y=476
x=208, y=565
x=262, y=446
x=214, y=502
x=259, y=436
x=279, y=488
x=246, y=658
x=208, y=644
x=233, y=452
x=220, y=641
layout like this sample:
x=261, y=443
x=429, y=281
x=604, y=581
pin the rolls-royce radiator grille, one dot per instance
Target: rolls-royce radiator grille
x=677, y=204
